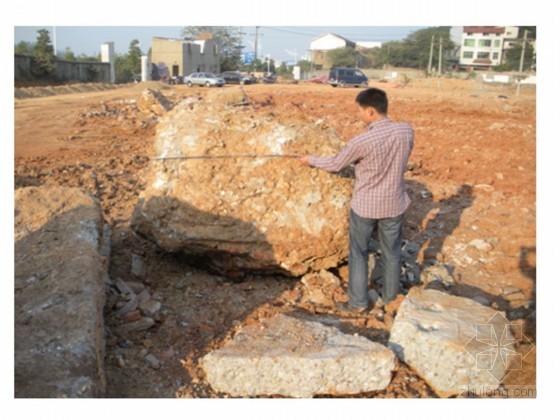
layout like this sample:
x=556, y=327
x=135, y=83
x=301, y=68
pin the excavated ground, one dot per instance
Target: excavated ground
x=472, y=178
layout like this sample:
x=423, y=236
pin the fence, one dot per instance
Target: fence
x=64, y=71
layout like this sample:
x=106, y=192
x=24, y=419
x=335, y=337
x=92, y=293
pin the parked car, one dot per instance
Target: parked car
x=203, y=79
x=347, y=77
x=176, y=80
x=269, y=78
x=236, y=78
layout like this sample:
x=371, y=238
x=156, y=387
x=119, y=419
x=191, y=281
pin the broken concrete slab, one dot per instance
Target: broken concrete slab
x=450, y=340
x=250, y=213
x=298, y=357
x=59, y=294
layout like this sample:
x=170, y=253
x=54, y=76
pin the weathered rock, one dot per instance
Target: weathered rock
x=447, y=340
x=296, y=357
x=60, y=293
x=138, y=267
x=153, y=361
x=320, y=288
x=150, y=307
x=237, y=214
x=153, y=102
x=128, y=306
x=140, y=325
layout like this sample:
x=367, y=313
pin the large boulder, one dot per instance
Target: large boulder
x=268, y=214
x=298, y=357
x=59, y=294
x=454, y=343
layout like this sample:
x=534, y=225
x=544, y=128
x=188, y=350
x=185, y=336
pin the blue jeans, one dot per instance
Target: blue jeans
x=390, y=238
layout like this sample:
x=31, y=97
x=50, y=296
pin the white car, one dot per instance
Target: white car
x=203, y=79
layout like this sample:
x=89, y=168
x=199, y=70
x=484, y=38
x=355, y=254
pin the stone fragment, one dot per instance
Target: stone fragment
x=142, y=324
x=59, y=294
x=153, y=361
x=123, y=287
x=251, y=213
x=128, y=306
x=150, y=307
x=136, y=287
x=320, y=288
x=138, y=268
x=298, y=357
x=450, y=341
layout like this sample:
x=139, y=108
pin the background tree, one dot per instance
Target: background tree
x=343, y=57
x=43, y=55
x=69, y=54
x=24, y=48
x=305, y=65
x=127, y=65
x=414, y=51
x=227, y=39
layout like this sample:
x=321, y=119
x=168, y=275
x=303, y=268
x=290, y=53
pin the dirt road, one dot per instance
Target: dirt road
x=472, y=180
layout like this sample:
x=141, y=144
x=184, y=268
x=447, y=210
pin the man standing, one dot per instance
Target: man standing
x=379, y=155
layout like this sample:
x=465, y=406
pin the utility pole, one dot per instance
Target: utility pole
x=256, y=46
x=440, y=55
x=239, y=47
x=54, y=40
x=521, y=63
x=431, y=55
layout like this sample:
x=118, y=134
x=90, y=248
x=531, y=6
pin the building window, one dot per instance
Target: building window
x=468, y=54
x=497, y=43
x=485, y=34
x=469, y=33
x=482, y=55
x=495, y=56
x=469, y=42
x=484, y=43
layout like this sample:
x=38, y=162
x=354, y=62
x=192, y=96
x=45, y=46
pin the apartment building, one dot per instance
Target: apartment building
x=482, y=47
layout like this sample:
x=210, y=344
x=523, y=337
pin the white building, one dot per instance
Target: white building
x=482, y=47
x=322, y=44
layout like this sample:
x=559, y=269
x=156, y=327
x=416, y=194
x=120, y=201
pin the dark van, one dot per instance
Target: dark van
x=347, y=77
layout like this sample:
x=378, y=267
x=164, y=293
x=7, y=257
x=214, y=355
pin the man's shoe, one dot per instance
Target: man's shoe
x=346, y=307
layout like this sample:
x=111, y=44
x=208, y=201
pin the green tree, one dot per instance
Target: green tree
x=68, y=54
x=127, y=65
x=228, y=41
x=343, y=57
x=43, y=55
x=414, y=51
x=85, y=57
x=24, y=48
x=283, y=70
x=305, y=65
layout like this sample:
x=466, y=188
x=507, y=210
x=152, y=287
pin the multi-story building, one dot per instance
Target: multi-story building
x=482, y=47
x=182, y=57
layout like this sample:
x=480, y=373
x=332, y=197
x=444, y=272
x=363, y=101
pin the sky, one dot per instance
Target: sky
x=282, y=43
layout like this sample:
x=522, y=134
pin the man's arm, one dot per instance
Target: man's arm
x=349, y=155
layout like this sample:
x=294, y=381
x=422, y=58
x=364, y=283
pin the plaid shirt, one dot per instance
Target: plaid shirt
x=379, y=155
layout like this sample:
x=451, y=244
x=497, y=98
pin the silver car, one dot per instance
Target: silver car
x=203, y=79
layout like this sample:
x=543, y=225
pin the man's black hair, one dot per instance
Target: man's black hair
x=375, y=98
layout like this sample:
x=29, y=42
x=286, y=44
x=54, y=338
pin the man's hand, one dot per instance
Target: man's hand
x=304, y=160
